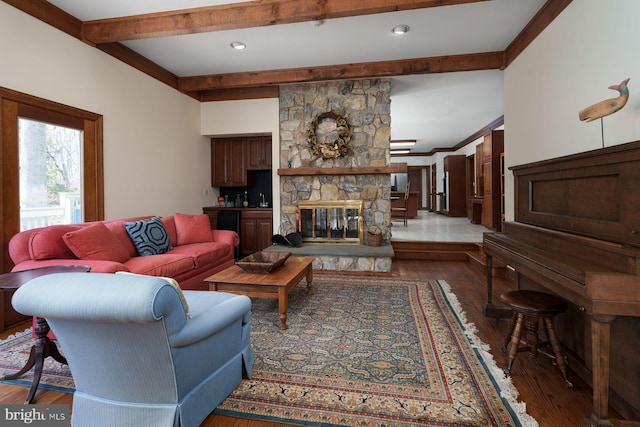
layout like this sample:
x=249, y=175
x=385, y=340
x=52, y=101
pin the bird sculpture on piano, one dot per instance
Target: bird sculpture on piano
x=608, y=106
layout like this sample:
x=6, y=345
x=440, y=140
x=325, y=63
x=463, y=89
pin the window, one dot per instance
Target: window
x=51, y=155
x=50, y=167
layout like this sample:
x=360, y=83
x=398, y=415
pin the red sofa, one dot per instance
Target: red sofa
x=106, y=247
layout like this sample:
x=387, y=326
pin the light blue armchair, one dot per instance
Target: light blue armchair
x=135, y=356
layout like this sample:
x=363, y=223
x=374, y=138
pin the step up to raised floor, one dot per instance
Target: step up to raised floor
x=438, y=251
x=470, y=252
x=343, y=257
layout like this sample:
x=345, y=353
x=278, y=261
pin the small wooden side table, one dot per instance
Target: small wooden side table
x=277, y=284
x=43, y=346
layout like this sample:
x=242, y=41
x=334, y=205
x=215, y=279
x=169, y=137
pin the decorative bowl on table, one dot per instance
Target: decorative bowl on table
x=263, y=262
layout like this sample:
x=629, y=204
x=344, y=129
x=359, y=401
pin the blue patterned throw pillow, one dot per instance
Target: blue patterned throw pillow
x=149, y=236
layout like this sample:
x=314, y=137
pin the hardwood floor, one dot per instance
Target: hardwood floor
x=539, y=382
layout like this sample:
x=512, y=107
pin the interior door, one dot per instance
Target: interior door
x=414, y=178
x=434, y=190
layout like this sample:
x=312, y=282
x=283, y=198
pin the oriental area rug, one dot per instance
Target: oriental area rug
x=14, y=353
x=359, y=351
x=371, y=351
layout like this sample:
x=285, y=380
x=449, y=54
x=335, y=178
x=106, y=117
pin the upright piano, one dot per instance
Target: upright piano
x=576, y=233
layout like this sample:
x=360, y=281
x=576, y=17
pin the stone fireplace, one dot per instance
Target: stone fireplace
x=363, y=174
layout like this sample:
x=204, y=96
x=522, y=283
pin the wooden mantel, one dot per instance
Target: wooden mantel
x=368, y=170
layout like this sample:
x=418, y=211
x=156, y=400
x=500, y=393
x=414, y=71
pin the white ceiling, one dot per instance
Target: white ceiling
x=438, y=110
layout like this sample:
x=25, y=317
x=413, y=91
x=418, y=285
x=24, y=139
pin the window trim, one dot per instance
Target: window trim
x=15, y=104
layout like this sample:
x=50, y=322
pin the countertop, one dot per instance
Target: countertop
x=219, y=208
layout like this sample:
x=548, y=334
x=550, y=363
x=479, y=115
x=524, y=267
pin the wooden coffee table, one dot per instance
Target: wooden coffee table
x=277, y=284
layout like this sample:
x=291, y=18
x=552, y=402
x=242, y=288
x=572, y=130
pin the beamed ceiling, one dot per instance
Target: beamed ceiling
x=447, y=78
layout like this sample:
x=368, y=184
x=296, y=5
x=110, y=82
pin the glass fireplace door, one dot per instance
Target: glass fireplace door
x=335, y=221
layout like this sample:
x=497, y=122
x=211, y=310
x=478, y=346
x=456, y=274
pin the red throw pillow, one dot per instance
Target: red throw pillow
x=192, y=228
x=47, y=243
x=95, y=241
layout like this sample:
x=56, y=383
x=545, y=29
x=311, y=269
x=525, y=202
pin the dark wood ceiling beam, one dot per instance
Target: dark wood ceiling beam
x=242, y=15
x=438, y=64
x=544, y=17
x=259, y=92
x=46, y=12
x=248, y=85
x=131, y=57
x=57, y=18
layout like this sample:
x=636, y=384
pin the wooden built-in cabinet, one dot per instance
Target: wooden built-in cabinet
x=492, y=177
x=502, y=217
x=259, y=153
x=475, y=201
x=228, y=162
x=256, y=230
x=212, y=213
x=232, y=158
x=455, y=197
x=474, y=209
x=479, y=178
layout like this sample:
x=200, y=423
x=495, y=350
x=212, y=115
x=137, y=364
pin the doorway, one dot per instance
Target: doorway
x=417, y=177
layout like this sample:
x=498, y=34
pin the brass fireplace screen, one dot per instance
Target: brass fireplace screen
x=338, y=221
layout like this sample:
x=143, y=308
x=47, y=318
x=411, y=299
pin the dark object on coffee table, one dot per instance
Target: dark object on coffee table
x=263, y=262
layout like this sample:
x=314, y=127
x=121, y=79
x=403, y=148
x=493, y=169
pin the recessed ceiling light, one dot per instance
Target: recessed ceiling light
x=238, y=45
x=400, y=29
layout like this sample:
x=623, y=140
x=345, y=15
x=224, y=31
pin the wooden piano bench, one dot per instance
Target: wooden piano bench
x=529, y=307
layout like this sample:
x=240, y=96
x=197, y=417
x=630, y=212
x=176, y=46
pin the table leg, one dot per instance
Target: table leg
x=283, y=306
x=310, y=279
x=42, y=349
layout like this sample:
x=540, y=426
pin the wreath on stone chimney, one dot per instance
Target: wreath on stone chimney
x=330, y=149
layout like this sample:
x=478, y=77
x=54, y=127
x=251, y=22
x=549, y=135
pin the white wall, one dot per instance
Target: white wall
x=226, y=118
x=592, y=44
x=412, y=160
x=155, y=159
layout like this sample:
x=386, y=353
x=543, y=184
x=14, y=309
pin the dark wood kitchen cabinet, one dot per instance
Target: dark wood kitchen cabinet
x=255, y=226
x=259, y=152
x=256, y=230
x=228, y=162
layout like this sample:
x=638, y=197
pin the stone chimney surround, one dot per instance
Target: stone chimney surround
x=363, y=173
